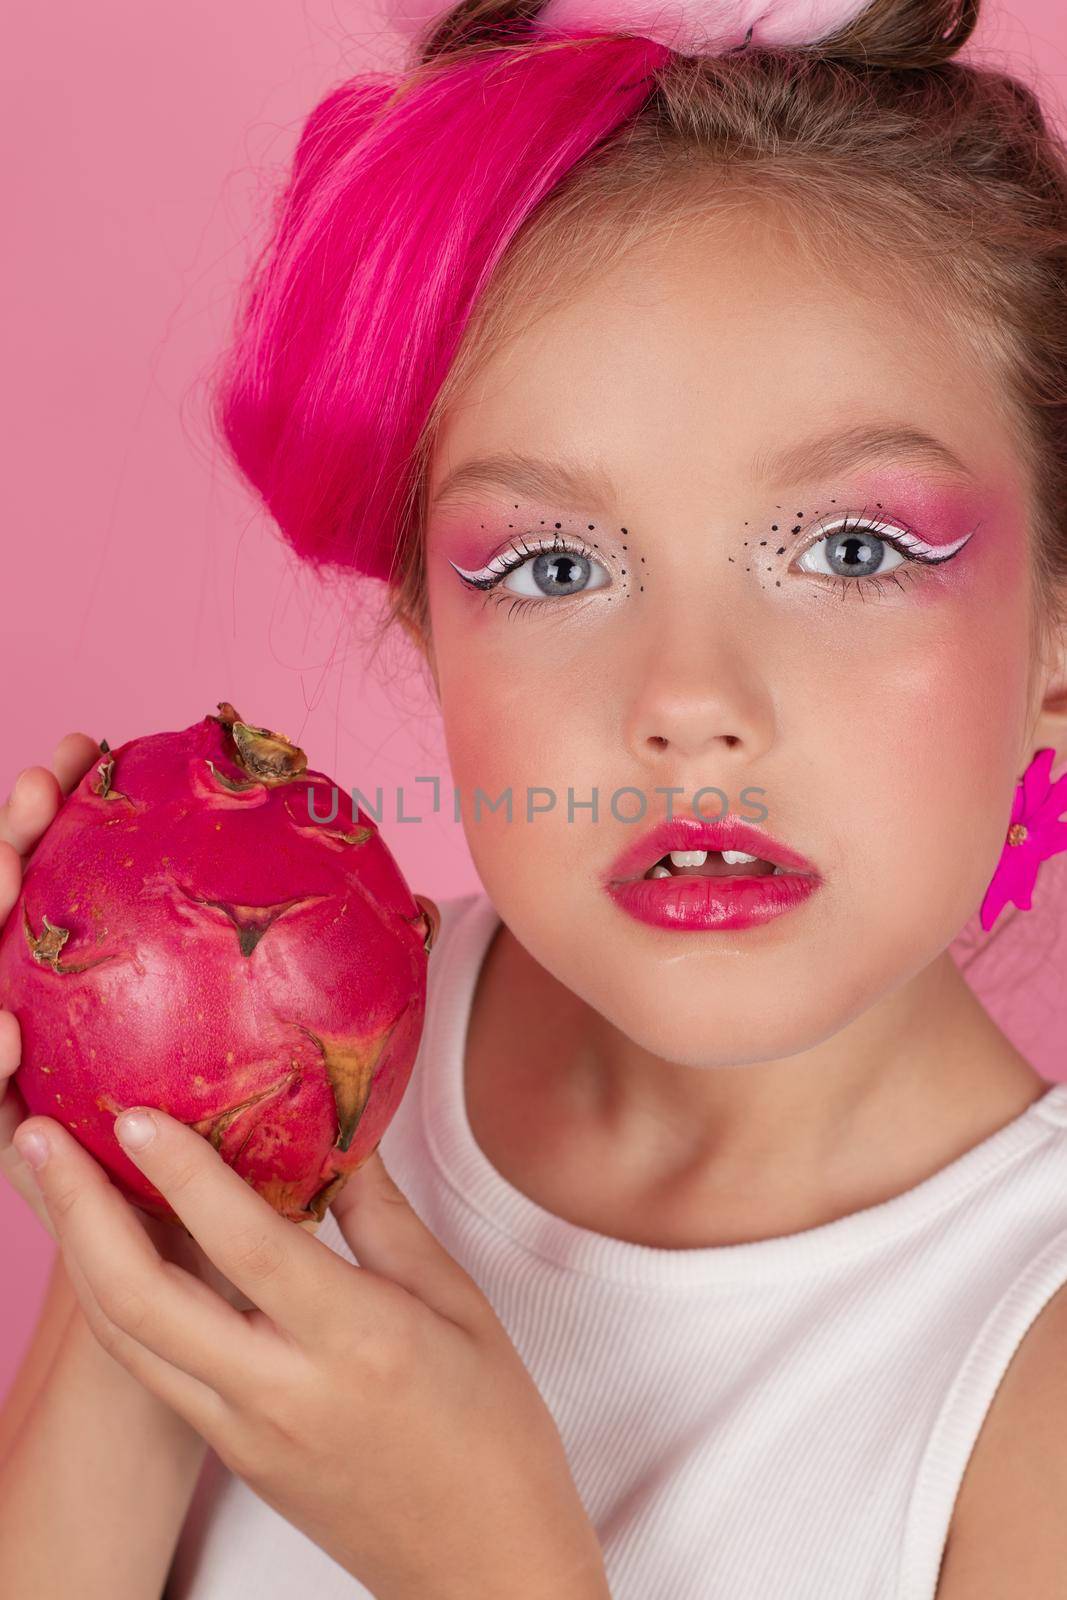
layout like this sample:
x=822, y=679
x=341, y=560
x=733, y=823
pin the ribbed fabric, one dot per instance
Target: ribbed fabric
x=787, y=1419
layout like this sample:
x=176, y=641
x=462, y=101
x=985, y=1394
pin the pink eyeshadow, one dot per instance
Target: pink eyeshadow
x=938, y=513
x=469, y=539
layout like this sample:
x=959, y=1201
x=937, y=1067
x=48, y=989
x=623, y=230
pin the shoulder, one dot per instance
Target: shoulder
x=1008, y=1535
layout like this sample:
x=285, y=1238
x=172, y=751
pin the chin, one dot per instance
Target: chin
x=724, y=1035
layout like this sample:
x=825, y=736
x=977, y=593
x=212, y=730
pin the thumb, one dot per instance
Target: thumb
x=384, y=1233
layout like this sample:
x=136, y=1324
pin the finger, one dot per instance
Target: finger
x=10, y=878
x=12, y=1114
x=202, y=1407
x=33, y=802
x=73, y=756
x=10, y=1045
x=19, y=1175
x=281, y=1269
x=147, y=1300
x=386, y=1234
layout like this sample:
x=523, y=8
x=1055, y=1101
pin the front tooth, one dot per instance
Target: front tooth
x=732, y=857
x=660, y=872
x=689, y=858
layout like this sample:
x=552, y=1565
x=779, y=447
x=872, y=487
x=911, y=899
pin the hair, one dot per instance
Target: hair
x=428, y=212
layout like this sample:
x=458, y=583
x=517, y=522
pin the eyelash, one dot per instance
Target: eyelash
x=899, y=538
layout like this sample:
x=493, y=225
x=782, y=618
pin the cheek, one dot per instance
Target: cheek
x=960, y=667
x=933, y=761
x=539, y=739
x=947, y=660
x=519, y=725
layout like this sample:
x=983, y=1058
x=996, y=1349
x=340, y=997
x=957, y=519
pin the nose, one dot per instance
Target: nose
x=698, y=696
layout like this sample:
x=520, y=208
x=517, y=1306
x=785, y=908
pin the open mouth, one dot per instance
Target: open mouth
x=713, y=864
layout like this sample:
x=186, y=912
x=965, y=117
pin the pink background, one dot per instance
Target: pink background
x=140, y=584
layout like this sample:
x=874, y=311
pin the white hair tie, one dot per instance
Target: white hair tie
x=689, y=27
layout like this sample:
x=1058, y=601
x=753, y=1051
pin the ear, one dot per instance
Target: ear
x=1050, y=727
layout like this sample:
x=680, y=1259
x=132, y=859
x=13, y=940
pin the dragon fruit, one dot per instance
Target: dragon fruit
x=190, y=935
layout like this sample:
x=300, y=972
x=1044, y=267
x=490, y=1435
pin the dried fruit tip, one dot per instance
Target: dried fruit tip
x=270, y=757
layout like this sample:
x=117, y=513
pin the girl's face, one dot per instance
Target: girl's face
x=716, y=402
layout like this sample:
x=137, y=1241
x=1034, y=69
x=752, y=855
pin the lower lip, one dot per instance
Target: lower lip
x=713, y=902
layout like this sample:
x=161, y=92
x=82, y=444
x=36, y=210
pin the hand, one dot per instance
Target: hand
x=381, y=1409
x=36, y=796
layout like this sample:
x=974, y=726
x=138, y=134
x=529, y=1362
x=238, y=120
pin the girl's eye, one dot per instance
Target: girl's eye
x=554, y=572
x=541, y=573
x=863, y=548
x=855, y=552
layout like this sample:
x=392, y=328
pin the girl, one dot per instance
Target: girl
x=696, y=384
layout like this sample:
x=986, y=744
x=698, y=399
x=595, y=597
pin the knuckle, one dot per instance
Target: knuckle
x=291, y=1407
x=112, y=1340
x=249, y=1444
x=287, y=1413
x=387, y=1357
x=238, y=1457
x=125, y=1306
x=183, y=1176
x=62, y=1200
x=108, y=1336
x=254, y=1254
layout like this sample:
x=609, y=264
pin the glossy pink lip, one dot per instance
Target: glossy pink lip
x=696, y=833
x=712, y=904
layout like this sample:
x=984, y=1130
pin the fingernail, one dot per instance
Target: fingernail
x=135, y=1129
x=32, y=1147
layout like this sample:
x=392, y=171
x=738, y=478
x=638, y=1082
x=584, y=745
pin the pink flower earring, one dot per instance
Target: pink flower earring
x=1034, y=833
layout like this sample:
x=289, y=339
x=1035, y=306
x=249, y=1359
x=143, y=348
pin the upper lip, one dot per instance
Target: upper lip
x=695, y=833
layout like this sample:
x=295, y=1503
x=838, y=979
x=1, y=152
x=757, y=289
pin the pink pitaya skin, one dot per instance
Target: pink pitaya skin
x=280, y=1056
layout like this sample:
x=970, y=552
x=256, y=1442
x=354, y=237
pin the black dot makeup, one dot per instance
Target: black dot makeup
x=848, y=543
x=864, y=543
x=542, y=561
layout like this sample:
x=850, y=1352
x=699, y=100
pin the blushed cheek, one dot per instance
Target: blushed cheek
x=517, y=733
x=981, y=715
x=969, y=686
x=953, y=754
x=983, y=644
x=489, y=733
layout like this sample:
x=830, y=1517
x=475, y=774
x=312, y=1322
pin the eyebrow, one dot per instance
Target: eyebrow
x=589, y=488
x=562, y=482
x=838, y=452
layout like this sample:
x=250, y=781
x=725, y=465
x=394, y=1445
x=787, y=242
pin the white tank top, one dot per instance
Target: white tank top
x=784, y=1419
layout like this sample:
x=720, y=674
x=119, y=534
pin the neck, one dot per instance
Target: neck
x=599, y=1130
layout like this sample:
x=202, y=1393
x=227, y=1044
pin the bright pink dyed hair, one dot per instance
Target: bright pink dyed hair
x=403, y=197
